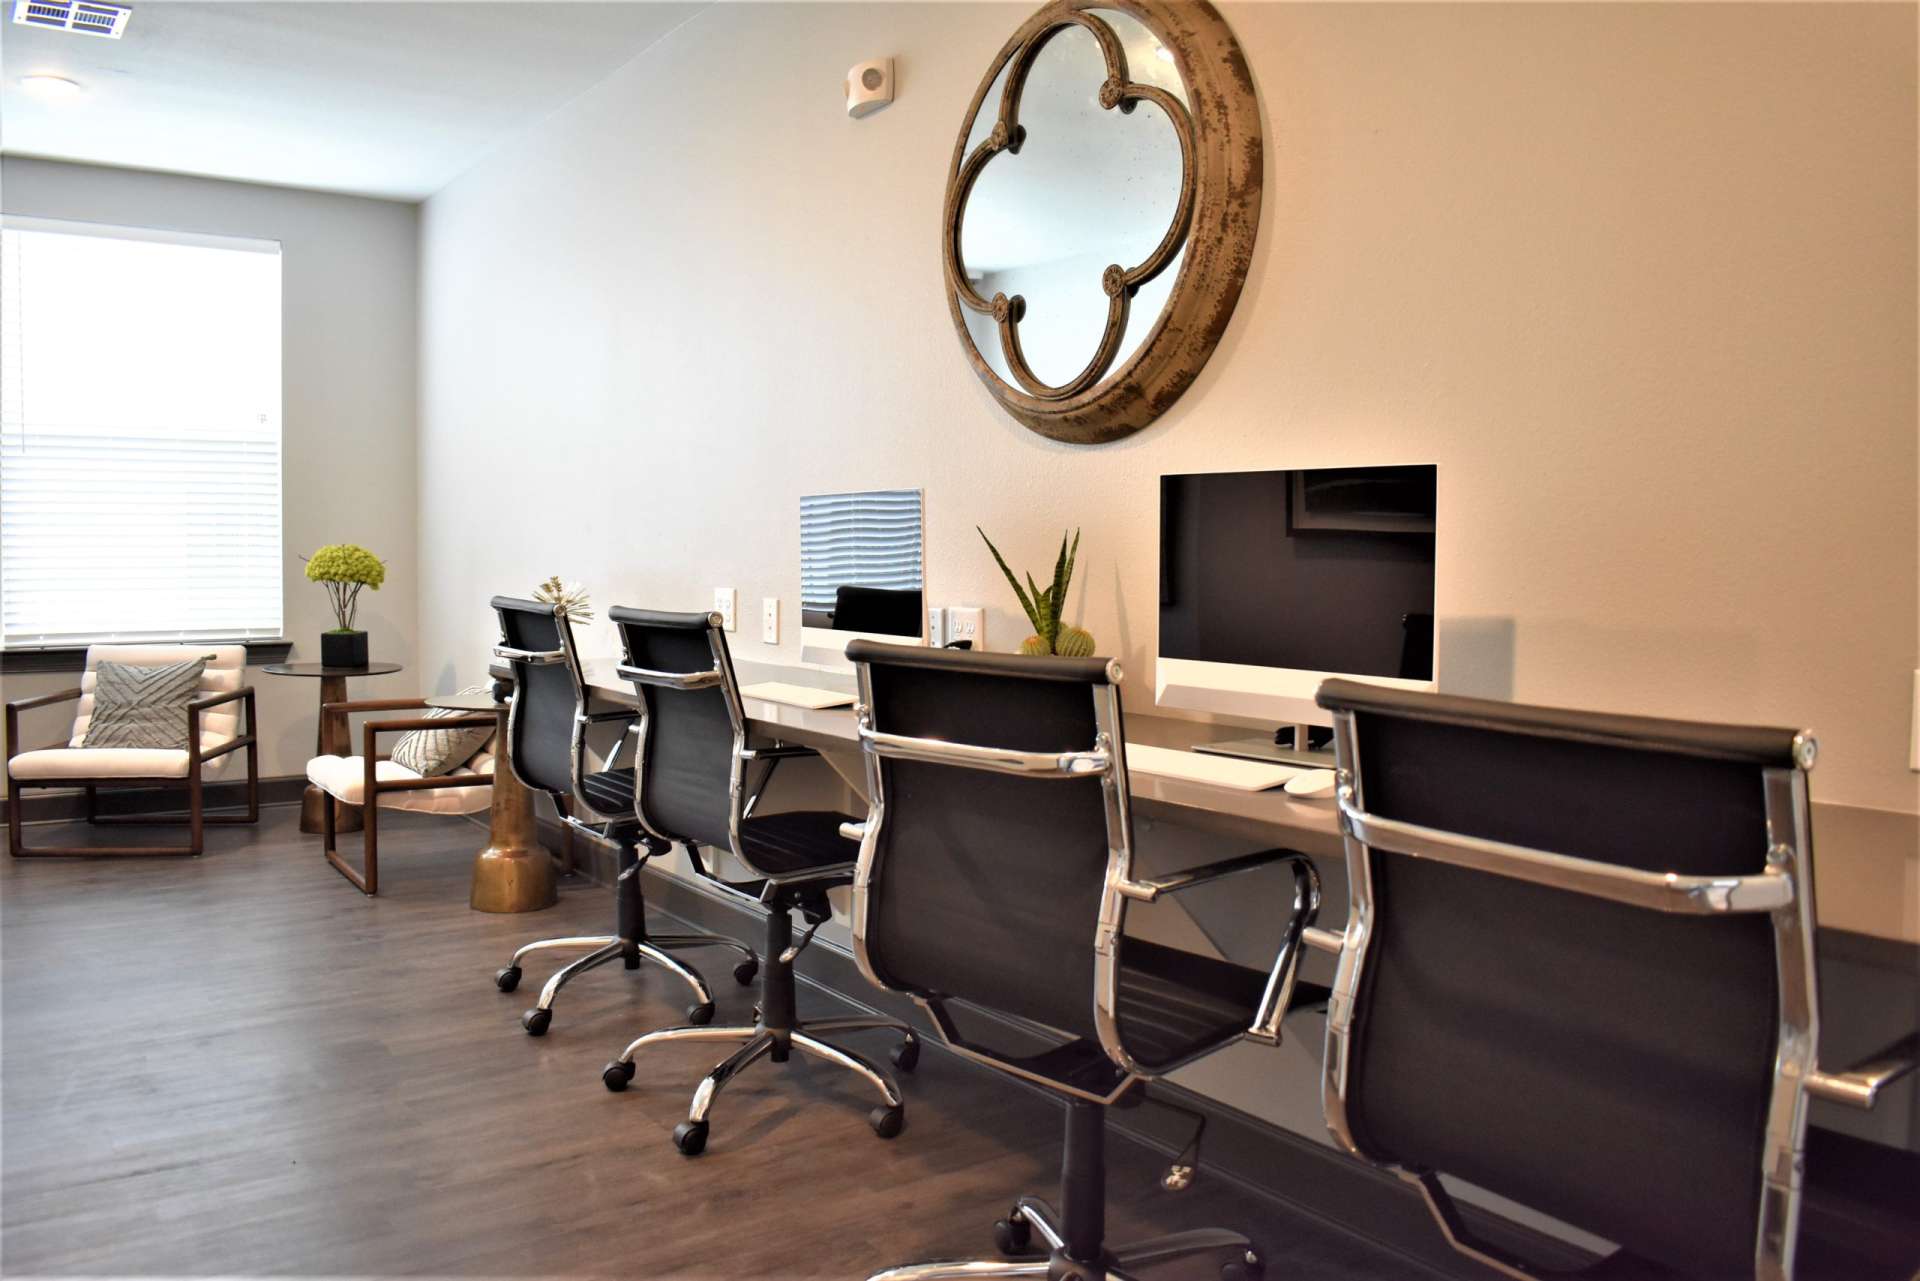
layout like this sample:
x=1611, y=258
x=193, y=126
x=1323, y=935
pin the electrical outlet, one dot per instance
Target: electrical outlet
x=936, y=626
x=967, y=623
x=770, y=620
x=724, y=601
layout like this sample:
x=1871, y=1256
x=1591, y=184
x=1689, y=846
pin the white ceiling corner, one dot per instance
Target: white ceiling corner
x=368, y=97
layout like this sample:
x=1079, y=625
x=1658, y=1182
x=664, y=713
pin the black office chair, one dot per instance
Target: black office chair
x=996, y=868
x=696, y=782
x=547, y=732
x=1578, y=972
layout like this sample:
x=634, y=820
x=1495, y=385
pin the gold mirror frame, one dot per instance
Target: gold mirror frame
x=1221, y=172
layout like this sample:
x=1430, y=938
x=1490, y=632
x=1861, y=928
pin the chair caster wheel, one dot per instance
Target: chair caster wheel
x=743, y=973
x=616, y=1075
x=536, y=1020
x=701, y=1014
x=508, y=979
x=690, y=1137
x=906, y=1055
x=1013, y=1237
x=887, y=1122
x=1247, y=1268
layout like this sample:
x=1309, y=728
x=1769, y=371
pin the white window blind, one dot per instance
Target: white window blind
x=869, y=539
x=139, y=435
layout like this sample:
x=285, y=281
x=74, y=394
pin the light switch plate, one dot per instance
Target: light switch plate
x=936, y=626
x=770, y=620
x=968, y=623
x=1913, y=727
x=725, y=599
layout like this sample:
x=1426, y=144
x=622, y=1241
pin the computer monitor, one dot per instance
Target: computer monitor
x=1273, y=581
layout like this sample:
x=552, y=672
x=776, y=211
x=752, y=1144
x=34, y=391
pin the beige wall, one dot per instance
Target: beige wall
x=1640, y=279
x=348, y=289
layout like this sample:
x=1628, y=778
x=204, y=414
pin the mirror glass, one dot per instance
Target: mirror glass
x=1089, y=188
x=861, y=566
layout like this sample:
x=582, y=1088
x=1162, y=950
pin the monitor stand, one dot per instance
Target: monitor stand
x=1265, y=748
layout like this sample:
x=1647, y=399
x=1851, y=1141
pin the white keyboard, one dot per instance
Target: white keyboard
x=797, y=695
x=1199, y=767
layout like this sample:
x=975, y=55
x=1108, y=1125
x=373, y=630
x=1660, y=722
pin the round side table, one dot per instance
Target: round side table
x=515, y=872
x=327, y=737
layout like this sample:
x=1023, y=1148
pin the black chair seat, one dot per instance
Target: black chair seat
x=610, y=792
x=1174, y=1003
x=801, y=841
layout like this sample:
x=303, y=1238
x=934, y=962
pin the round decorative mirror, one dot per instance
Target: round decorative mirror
x=1101, y=210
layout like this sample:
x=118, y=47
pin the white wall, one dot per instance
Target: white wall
x=349, y=325
x=1640, y=279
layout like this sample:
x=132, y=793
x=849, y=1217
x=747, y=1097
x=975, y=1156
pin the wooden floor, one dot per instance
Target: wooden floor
x=237, y=1065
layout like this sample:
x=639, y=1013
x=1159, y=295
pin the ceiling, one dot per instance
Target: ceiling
x=359, y=96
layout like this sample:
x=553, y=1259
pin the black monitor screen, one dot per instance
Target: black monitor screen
x=1329, y=570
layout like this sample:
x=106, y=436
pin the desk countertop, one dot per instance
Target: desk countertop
x=1867, y=868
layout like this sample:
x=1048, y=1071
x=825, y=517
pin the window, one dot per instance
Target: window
x=139, y=435
x=869, y=539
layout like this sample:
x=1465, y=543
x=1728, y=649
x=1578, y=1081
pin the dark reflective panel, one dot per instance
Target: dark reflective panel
x=1329, y=570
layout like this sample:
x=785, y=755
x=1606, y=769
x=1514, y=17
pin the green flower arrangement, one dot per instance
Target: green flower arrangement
x=345, y=568
x=1043, y=606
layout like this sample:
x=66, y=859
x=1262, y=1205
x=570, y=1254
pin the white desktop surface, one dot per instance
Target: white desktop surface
x=1867, y=868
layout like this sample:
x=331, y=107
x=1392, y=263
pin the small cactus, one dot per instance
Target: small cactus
x=1043, y=606
x=1073, y=642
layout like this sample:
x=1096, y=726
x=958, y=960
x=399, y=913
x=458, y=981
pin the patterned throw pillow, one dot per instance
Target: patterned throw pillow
x=432, y=752
x=143, y=706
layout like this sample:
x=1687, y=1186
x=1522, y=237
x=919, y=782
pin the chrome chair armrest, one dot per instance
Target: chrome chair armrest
x=1069, y=764
x=780, y=752
x=668, y=680
x=854, y=831
x=1278, y=994
x=533, y=657
x=608, y=715
x=1860, y=1085
x=1332, y=942
x=1146, y=891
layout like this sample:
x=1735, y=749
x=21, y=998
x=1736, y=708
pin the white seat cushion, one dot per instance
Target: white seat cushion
x=103, y=762
x=344, y=778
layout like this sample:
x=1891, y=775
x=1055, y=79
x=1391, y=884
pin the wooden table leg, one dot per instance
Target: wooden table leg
x=327, y=741
x=514, y=873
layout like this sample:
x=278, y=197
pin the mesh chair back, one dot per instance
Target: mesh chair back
x=683, y=789
x=546, y=694
x=986, y=886
x=1606, y=1063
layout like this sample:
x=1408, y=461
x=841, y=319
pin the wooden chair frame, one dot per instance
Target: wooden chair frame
x=368, y=882
x=196, y=818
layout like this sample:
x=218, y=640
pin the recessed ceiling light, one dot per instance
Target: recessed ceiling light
x=50, y=86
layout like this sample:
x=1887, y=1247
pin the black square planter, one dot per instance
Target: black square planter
x=343, y=649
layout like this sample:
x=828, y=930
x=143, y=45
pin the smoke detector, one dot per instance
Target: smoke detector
x=87, y=17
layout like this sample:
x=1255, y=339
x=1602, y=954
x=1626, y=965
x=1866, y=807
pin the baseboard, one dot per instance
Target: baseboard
x=39, y=806
x=1260, y=1158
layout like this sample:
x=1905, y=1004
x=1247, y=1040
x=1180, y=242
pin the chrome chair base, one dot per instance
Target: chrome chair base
x=1032, y=1217
x=608, y=947
x=760, y=1041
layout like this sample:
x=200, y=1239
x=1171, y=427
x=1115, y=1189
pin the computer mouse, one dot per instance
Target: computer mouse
x=1313, y=783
